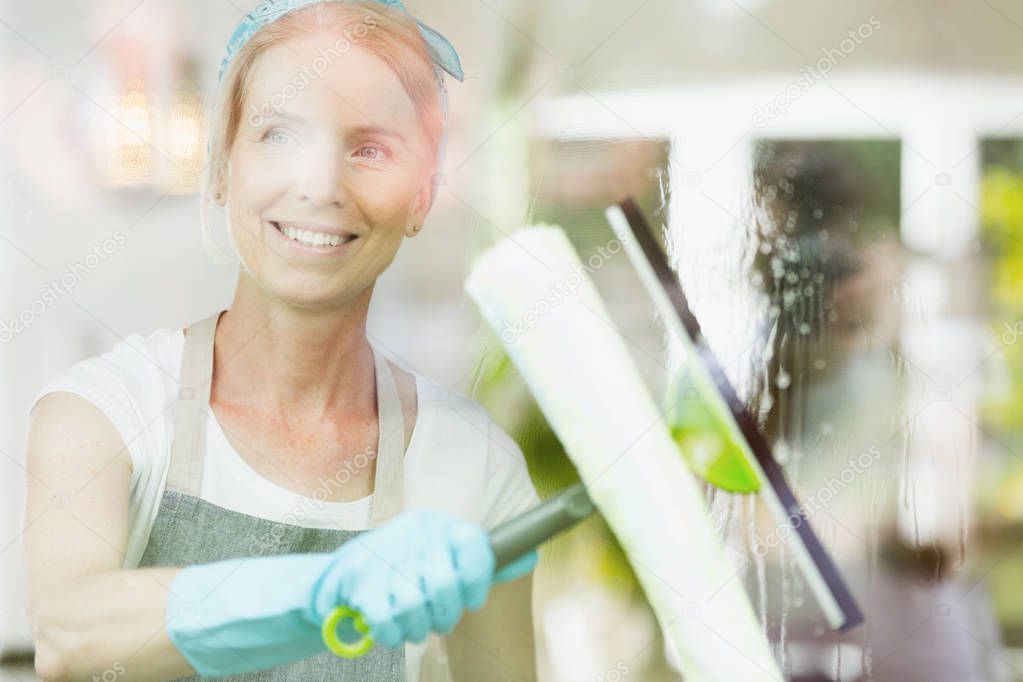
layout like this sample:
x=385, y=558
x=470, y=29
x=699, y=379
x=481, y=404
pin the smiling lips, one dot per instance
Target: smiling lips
x=314, y=235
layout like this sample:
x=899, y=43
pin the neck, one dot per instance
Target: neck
x=310, y=361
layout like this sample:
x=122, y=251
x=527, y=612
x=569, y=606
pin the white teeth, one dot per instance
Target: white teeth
x=312, y=238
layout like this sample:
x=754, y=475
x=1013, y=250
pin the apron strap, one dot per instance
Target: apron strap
x=389, y=482
x=192, y=407
x=192, y=410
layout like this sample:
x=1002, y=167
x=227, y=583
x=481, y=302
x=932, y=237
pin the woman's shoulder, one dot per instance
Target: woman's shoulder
x=461, y=422
x=132, y=383
x=465, y=449
x=131, y=362
x=445, y=401
x=427, y=391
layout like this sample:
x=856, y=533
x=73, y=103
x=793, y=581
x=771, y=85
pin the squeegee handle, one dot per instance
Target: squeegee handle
x=529, y=530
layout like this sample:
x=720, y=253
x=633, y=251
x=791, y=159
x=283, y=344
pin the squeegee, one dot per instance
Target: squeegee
x=663, y=285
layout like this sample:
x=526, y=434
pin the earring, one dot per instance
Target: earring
x=415, y=229
x=218, y=196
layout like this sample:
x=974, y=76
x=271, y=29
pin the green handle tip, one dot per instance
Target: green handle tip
x=336, y=644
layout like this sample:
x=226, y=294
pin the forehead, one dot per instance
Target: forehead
x=311, y=77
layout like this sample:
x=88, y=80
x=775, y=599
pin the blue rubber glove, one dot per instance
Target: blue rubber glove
x=413, y=575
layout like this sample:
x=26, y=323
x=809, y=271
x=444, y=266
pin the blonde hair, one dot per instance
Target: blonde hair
x=383, y=31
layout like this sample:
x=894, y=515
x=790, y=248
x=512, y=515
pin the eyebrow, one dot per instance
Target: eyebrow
x=358, y=130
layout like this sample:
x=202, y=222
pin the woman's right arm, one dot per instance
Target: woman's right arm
x=89, y=616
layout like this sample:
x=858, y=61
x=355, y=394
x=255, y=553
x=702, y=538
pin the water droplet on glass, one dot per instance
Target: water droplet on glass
x=781, y=452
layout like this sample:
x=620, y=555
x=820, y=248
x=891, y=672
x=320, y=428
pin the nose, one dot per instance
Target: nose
x=323, y=176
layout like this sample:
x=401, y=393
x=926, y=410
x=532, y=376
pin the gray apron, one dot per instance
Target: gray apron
x=189, y=530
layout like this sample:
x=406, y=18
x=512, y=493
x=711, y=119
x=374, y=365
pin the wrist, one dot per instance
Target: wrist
x=241, y=615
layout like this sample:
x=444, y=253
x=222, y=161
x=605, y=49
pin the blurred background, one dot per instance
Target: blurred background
x=839, y=185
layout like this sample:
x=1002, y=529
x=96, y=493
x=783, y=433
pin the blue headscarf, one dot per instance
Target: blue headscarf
x=442, y=52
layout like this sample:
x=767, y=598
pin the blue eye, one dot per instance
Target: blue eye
x=276, y=133
x=380, y=152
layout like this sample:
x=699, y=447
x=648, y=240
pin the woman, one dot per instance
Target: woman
x=200, y=499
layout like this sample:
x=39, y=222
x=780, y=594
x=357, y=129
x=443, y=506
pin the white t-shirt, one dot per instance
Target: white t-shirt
x=458, y=459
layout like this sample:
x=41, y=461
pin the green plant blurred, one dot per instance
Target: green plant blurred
x=1000, y=483
x=1002, y=225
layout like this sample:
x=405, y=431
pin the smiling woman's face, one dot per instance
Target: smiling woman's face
x=345, y=158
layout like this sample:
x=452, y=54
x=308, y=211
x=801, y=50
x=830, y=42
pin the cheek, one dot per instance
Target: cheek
x=387, y=199
x=255, y=184
x=251, y=192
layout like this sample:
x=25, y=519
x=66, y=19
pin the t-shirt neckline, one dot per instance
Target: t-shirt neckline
x=342, y=507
